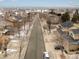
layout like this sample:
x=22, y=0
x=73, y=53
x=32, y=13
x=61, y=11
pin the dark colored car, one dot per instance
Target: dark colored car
x=59, y=47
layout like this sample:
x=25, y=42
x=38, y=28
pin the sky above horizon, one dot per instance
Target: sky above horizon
x=39, y=3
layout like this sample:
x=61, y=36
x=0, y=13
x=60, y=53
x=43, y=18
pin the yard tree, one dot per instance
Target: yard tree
x=65, y=17
x=52, y=11
x=49, y=24
x=59, y=14
x=76, y=12
x=75, y=18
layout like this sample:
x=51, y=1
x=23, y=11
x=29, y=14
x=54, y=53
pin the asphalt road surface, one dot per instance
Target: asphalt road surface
x=36, y=45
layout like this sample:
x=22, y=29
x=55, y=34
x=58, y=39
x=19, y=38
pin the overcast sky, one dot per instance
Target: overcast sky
x=39, y=3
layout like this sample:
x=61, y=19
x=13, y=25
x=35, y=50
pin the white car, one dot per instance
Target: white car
x=45, y=55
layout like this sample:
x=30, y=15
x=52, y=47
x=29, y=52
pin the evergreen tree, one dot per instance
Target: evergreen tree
x=65, y=17
x=75, y=18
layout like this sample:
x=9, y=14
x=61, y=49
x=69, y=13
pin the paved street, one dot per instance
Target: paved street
x=36, y=45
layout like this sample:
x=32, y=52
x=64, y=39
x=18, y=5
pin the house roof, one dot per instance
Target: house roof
x=15, y=18
x=65, y=36
x=75, y=31
x=67, y=24
x=18, y=17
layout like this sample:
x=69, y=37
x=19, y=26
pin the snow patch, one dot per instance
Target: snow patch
x=11, y=50
x=14, y=41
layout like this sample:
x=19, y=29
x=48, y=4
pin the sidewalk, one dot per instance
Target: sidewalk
x=14, y=44
x=49, y=40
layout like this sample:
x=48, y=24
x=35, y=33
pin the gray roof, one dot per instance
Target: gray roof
x=67, y=24
x=18, y=17
x=65, y=36
x=75, y=31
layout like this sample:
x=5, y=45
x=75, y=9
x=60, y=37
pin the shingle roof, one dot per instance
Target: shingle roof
x=67, y=24
x=75, y=31
x=18, y=17
x=67, y=37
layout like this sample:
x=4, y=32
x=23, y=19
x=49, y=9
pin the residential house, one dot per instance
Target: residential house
x=54, y=19
x=74, y=33
x=66, y=26
x=70, y=45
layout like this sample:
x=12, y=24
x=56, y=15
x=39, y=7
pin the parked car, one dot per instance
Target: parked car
x=59, y=47
x=45, y=55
